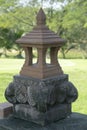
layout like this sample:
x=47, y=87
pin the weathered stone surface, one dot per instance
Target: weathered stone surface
x=41, y=96
x=75, y=122
x=28, y=113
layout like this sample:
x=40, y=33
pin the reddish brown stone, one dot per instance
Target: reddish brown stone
x=42, y=38
x=5, y=109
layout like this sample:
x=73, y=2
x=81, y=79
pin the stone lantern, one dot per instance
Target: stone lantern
x=42, y=92
x=41, y=38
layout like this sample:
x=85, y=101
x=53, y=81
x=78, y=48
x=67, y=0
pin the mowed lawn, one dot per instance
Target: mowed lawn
x=77, y=70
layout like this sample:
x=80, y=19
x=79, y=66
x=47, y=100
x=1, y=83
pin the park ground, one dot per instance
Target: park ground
x=76, y=68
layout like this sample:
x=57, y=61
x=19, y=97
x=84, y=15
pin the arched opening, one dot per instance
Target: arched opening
x=48, y=58
x=53, y=55
x=35, y=56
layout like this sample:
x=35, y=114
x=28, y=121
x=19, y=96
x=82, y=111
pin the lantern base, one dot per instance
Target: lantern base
x=56, y=113
x=41, y=100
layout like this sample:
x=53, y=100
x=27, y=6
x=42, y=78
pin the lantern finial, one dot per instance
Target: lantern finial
x=41, y=17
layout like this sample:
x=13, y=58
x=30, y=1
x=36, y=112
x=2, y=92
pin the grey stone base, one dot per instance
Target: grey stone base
x=75, y=122
x=56, y=113
x=41, y=100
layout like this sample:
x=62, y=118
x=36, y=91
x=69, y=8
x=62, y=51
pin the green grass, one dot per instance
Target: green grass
x=78, y=75
x=74, y=54
x=75, y=68
x=8, y=68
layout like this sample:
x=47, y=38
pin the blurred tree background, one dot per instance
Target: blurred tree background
x=68, y=18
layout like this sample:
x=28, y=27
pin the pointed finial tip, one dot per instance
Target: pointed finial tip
x=41, y=17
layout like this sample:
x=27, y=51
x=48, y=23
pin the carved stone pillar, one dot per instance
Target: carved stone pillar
x=41, y=57
x=28, y=56
x=53, y=55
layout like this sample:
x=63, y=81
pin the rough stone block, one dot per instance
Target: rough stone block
x=41, y=100
x=6, y=109
x=76, y=121
x=56, y=113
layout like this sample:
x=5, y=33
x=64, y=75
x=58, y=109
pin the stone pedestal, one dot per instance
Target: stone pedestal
x=41, y=101
x=58, y=112
x=74, y=122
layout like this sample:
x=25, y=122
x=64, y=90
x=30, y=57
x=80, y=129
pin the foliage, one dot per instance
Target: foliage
x=75, y=22
x=7, y=39
x=69, y=21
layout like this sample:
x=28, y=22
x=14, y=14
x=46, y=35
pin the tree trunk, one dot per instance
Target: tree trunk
x=20, y=54
x=63, y=53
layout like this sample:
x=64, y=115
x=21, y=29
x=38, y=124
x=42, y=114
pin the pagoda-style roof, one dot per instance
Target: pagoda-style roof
x=41, y=34
x=41, y=38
